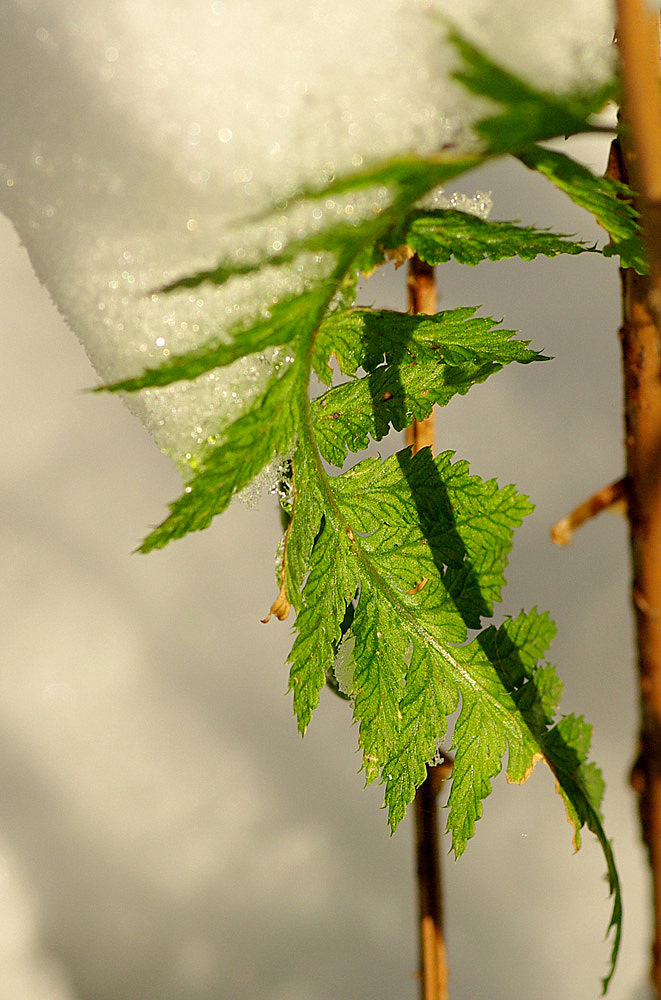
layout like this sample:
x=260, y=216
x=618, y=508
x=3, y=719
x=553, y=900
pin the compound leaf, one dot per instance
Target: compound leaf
x=402, y=561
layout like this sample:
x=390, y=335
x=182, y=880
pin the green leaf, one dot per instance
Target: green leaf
x=250, y=443
x=399, y=173
x=379, y=655
x=581, y=785
x=608, y=200
x=424, y=545
x=412, y=363
x=280, y=325
x=415, y=519
x=330, y=586
x=528, y=115
x=330, y=239
x=366, y=338
x=437, y=236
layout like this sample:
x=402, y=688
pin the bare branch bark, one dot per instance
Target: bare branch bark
x=638, y=44
x=638, y=41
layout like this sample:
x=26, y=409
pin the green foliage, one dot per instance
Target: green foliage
x=403, y=560
x=608, y=200
x=526, y=115
x=438, y=236
x=277, y=328
x=411, y=363
x=249, y=444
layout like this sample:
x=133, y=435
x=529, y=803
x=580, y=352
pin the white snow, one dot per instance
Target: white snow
x=135, y=132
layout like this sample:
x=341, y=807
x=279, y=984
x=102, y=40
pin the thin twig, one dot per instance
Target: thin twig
x=638, y=41
x=433, y=954
x=422, y=299
x=605, y=499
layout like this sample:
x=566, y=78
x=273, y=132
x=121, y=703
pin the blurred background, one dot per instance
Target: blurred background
x=164, y=832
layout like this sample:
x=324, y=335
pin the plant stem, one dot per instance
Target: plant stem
x=430, y=891
x=609, y=497
x=433, y=955
x=642, y=390
x=422, y=299
x=641, y=350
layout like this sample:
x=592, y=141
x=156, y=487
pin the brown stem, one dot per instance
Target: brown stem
x=604, y=499
x=422, y=299
x=433, y=956
x=642, y=389
x=430, y=892
x=641, y=349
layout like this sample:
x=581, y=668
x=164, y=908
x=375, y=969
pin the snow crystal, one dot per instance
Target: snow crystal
x=136, y=133
x=440, y=755
x=480, y=204
x=275, y=479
